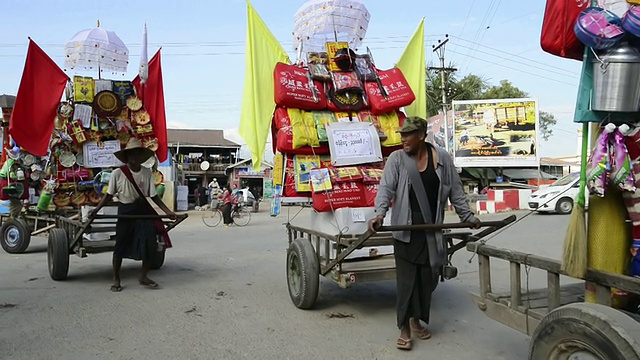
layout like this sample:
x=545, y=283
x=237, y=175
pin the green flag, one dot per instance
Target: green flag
x=412, y=63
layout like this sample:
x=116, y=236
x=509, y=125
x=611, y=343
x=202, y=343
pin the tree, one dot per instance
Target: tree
x=471, y=87
x=434, y=92
x=505, y=90
x=547, y=121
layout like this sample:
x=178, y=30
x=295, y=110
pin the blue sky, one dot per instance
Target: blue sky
x=203, y=48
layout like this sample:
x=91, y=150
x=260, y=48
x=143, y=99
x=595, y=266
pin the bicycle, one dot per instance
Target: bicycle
x=240, y=215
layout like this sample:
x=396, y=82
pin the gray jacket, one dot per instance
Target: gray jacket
x=395, y=185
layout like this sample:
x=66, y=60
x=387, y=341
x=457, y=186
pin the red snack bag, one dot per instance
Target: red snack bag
x=347, y=194
x=294, y=89
x=345, y=174
x=398, y=90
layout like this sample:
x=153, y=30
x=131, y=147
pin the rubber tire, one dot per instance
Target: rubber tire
x=303, y=253
x=24, y=237
x=58, y=254
x=246, y=215
x=157, y=260
x=608, y=331
x=559, y=207
x=213, y=216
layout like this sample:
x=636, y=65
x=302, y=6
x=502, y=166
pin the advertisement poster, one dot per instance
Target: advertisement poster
x=495, y=133
x=439, y=134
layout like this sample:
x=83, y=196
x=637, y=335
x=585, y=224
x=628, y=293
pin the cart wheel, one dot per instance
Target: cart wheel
x=303, y=273
x=16, y=236
x=157, y=260
x=586, y=331
x=58, y=254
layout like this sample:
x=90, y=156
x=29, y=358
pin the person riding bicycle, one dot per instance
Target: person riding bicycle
x=227, y=201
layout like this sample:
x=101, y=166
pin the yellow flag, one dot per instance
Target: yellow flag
x=263, y=52
x=412, y=63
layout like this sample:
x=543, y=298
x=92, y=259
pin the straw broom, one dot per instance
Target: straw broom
x=574, y=257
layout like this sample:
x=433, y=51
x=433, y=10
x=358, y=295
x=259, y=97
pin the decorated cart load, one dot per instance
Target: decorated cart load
x=97, y=118
x=335, y=121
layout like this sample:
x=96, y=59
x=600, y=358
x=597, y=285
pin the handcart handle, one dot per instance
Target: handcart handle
x=439, y=227
x=491, y=227
x=139, y=217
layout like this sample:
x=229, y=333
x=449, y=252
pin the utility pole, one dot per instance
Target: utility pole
x=442, y=70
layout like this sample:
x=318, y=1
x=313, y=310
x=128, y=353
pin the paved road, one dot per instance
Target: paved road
x=224, y=296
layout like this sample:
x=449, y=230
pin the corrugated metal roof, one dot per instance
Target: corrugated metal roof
x=7, y=101
x=527, y=174
x=199, y=137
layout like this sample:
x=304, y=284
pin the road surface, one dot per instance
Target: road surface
x=224, y=296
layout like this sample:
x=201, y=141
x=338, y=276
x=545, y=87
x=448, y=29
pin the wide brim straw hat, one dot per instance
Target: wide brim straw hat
x=134, y=146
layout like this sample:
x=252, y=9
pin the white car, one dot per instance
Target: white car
x=247, y=197
x=558, y=197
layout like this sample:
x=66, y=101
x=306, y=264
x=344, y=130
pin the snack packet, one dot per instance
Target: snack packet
x=621, y=174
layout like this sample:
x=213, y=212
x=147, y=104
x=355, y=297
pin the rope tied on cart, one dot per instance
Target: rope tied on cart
x=527, y=271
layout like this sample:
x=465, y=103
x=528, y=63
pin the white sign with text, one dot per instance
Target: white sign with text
x=100, y=154
x=353, y=143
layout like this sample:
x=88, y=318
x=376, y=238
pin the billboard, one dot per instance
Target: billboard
x=438, y=133
x=495, y=133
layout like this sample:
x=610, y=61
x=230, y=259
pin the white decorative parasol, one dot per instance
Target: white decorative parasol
x=319, y=21
x=143, y=70
x=97, y=48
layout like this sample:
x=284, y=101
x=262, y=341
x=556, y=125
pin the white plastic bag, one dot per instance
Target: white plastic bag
x=618, y=7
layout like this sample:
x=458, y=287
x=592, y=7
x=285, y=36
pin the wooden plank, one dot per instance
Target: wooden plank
x=484, y=266
x=503, y=314
x=100, y=229
x=310, y=231
x=516, y=284
x=603, y=295
x=553, y=285
x=539, y=298
x=370, y=243
x=386, y=262
x=92, y=247
x=611, y=280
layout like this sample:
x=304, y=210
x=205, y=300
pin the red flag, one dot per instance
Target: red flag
x=39, y=95
x=152, y=93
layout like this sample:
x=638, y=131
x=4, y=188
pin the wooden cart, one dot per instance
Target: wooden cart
x=68, y=238
x=561, y=325
x=312, y=253
x=16, y=229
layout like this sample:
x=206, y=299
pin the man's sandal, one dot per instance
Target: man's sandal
x=150, y=285
x=116, y=288
x=403, y=344
x=422, y=334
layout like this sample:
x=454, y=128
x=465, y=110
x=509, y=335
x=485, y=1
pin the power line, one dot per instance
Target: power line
x=477, y=34
x=564, y=73
x=507, y=53
x=519, y=70
x=464, y=25
x=377, y=39
x=466, y=20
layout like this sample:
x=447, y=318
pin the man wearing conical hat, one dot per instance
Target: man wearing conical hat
x=132, y=184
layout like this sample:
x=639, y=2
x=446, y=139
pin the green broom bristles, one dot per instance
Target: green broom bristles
x=574, y=258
